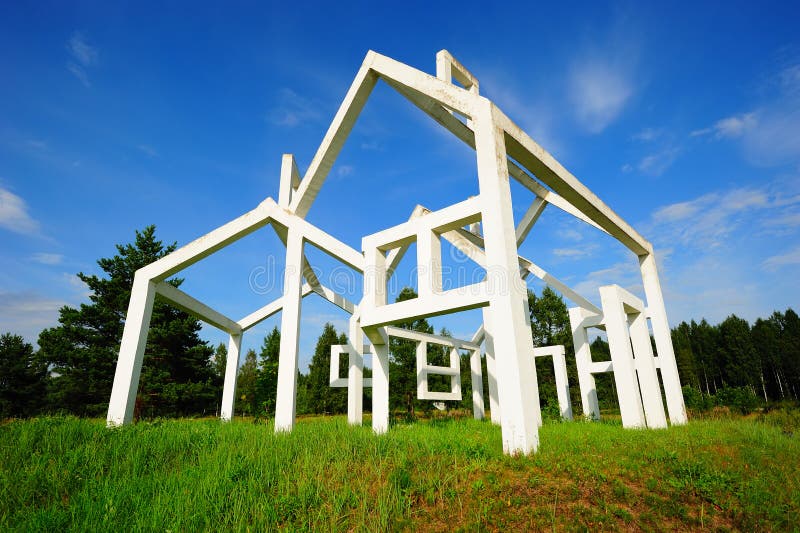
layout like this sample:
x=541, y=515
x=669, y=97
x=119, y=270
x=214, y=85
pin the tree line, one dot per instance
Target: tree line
x=182, y=375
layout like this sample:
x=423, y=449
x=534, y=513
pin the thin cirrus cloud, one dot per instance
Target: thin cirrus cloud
x=775, y=262
x=598, y=91
x=707, y=220
x=47, y=258
x=82, y=57
x=657, y=163
x=769, y=133
x=294, y=109
x=14, y=214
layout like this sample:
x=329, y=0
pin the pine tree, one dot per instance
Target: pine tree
x=703, y=338
x=82, y=351
x=246, y=384
x=550, y=326
x=220, y=361
x=684, y=356
x=22, y=378
x=605, y=385
x=403, y=362
x=738, y=357
x=267, y=377
x=790, y=350
x=322, y=398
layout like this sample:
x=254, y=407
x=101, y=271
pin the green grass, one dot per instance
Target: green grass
x=183, y=475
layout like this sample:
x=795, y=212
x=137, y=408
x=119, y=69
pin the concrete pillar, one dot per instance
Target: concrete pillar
x=619, y=343
x=131, y=352
x=491, y=370
x=429, y=263
x=511, y=332
x=375, y=296
x=231, y=371
x=661, y=332
x=422, y=362
x=476, y=373
x=646, y=371
x=286, y=400
x=355, y=374
x=583, y=360
x=562, y=382
x=380, y=388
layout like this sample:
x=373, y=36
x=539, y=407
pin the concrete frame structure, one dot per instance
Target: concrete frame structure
x=503, y=151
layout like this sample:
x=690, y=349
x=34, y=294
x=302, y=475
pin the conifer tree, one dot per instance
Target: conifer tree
x=246, y=384
x=403, y=362
x=322, y=398
x=267, y=377
x=82, y=351
x=22, y=378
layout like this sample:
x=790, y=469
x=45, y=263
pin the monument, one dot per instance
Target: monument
x=483, y=228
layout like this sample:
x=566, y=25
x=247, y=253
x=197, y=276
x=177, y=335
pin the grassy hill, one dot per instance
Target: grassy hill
x=66, y=473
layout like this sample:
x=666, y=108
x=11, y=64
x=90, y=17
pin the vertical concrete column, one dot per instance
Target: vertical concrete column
x=476, y=373
x=491, y=368
x=511, y=332
x=286, y=400
x=562, y=383
x=422, y=362
x=646, y=370
x=429, y=263
x=131, y=352
x=455, y=362
x=355, y=373
x=231, y=370
x=375, y=296
x=380, y=387
x=583, y=360
x=661, y=332
x=619, y=343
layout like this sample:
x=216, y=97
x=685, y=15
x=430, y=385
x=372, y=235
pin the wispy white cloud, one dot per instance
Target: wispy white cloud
x=82, y=57
x=579, y=252
x=769, y=133
x=647, y=135
x=729, y=127
x=623, y=273
x=371, y=146
x=27, y=313
x=81, y=51
x=599, y=91
x=294, y=109
x=14, y=214
x=47, y=259
x=707, y=220
x=148, y=150
x=657, y=163
x=790, y=258
x=570, y=234
x=344, y=170
x=719, y=240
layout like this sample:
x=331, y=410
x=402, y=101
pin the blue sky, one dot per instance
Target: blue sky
x=684, y=119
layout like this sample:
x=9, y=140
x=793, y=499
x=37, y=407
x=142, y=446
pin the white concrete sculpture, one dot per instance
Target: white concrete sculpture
x=503, y=151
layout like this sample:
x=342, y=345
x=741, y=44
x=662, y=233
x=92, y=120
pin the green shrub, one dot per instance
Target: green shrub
x=741, y=399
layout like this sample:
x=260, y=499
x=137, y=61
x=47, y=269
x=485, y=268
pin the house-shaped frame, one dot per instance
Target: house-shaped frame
x=482, y=227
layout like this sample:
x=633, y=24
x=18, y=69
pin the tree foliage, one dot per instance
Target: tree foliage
x=22, y=378
x=246, y=384
x=322, y=398
x=82, y=350
x=403, y=363
x=267, y=376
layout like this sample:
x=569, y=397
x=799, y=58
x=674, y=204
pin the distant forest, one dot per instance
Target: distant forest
x=731, y=364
